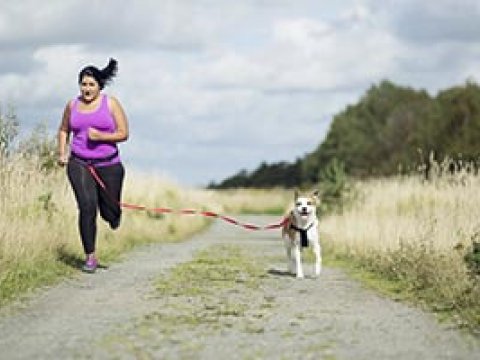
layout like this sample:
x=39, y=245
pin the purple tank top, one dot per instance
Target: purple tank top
x=100, y=119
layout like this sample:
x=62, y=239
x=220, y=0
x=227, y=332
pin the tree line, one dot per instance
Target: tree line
x=392, y=129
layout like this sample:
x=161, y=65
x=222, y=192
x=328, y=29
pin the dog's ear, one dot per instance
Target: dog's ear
x=316, y=197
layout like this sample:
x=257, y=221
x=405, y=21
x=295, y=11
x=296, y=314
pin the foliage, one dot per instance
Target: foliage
x=265, y=176
x=472, y=257
x=376, y=135
x=335, y=186
x=38, y=144
x=41, y=145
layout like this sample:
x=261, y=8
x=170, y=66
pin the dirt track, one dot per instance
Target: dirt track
x=114, y=314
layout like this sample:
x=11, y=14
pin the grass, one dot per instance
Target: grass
x=410, y=238
x=212, y=270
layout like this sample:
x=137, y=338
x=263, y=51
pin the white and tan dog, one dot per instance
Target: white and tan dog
x=301, y=230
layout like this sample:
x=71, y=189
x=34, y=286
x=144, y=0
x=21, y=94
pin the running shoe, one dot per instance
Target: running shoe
x=90, y=265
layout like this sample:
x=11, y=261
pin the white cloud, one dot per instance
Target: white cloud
x=303, y=33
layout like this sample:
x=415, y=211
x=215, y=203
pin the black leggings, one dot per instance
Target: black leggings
x=90, y=197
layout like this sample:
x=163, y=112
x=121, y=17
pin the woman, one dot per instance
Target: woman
x=98, y=123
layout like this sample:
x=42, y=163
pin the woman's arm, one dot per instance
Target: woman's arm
x=121, y=133
x=63, y=135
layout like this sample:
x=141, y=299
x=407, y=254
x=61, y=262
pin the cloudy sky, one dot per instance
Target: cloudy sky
x=214, y=86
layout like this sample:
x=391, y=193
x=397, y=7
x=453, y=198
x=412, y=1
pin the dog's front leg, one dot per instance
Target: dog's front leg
x=318, y=257
x=298, y=260
x=290, y=261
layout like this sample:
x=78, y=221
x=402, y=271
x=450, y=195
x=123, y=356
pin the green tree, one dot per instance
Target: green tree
x=461, y=121
x=374, y=135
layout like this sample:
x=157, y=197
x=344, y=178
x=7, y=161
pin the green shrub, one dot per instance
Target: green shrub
x=472, y=258
x=335, y=188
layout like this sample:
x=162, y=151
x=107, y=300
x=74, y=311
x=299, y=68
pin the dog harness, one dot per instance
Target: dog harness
x=303, y=234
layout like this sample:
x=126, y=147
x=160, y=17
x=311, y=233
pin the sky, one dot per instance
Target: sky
x=211, y=87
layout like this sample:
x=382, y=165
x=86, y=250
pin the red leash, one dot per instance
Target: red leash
x=186, y=211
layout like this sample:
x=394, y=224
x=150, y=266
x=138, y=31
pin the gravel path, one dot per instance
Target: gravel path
x=331, y=317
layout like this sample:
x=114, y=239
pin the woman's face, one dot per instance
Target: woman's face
x=89, y=88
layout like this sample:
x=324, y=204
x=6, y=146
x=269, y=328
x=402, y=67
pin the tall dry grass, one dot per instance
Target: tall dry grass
x=39, y=239
x=34, y=214
x=253, y=201
x=416, y=233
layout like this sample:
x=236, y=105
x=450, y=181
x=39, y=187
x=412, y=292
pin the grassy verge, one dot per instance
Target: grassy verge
x=410, y=239
x=457, y=304
x=463, y=314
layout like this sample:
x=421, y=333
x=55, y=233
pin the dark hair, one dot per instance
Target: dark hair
x=104, y=76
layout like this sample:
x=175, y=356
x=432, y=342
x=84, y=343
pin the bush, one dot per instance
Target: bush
x=40, y=145
x=472, y=258
x=335, y=187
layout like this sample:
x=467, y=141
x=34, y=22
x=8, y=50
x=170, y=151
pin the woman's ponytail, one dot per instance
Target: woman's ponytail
x=104, y=76
x=110, y=71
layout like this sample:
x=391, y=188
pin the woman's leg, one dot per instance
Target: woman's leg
x=85, y=190
x=109, y=199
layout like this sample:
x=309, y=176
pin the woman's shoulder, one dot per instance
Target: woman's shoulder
x=70, y=104
x=111, y=99
x=112, y=102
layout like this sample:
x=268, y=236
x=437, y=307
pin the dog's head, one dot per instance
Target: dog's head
x=306, y=205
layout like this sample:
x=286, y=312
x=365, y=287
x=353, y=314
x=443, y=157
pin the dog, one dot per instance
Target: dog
x=301, y=230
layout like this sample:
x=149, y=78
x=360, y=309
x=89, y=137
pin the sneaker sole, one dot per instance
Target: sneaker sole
x=88, y=270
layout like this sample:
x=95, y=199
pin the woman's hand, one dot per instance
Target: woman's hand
x=94, y=134
x=62, y=160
